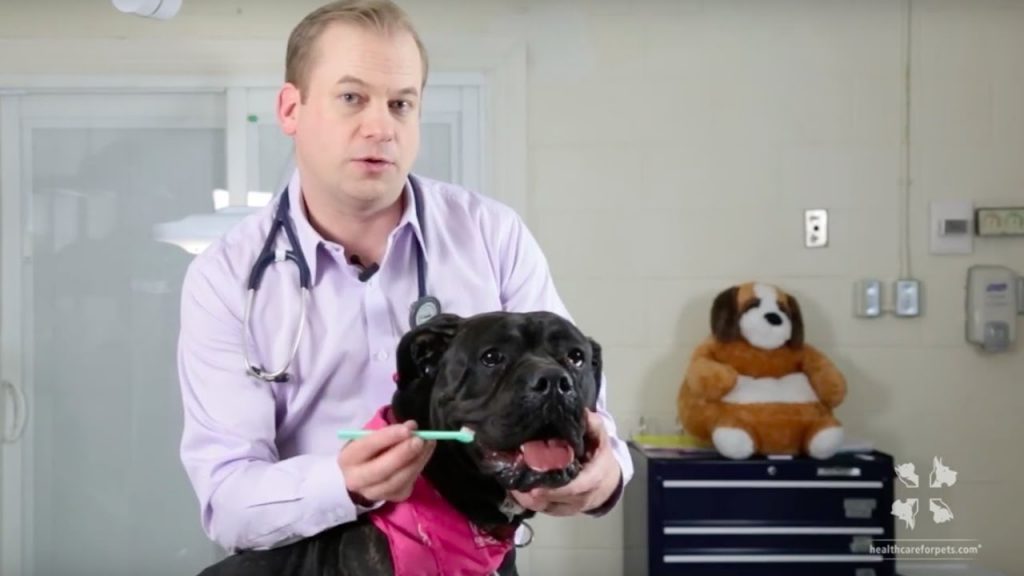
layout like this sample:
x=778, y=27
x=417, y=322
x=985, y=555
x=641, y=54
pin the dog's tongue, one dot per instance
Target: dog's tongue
x=544, y=455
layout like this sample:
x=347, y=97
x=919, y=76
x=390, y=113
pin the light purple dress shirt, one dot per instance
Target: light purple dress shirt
x=262, y=457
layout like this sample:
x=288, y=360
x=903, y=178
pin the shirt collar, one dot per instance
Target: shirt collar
x=310, y=240
x=410, y=214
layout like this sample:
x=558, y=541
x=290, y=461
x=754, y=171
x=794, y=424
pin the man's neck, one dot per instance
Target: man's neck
x=361, y=230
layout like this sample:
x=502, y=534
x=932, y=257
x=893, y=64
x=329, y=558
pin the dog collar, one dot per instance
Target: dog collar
x=510, y=508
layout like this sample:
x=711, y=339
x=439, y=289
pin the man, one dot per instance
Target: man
x=261, y=455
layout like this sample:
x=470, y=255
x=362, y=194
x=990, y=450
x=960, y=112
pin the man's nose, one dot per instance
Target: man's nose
x=378, y=123
x=550, y=381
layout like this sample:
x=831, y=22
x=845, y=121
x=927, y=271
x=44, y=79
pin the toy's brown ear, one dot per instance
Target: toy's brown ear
x=796, y=320
x=597, y=370
x=725, y=316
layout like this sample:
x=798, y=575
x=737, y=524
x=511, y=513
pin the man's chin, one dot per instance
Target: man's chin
x=372, y=189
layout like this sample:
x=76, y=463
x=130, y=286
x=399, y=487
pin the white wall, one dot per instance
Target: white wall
x=673, y=146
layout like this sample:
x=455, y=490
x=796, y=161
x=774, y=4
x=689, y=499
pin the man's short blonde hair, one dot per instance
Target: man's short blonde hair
x=382, y=16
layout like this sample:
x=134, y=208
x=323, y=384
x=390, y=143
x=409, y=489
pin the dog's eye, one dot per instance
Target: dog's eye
x=491, y=358
x=577, y=357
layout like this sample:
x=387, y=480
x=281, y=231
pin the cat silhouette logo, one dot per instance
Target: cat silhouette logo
x=906, y=510
x=940, y=511
x=941, y=476
x=906, y=474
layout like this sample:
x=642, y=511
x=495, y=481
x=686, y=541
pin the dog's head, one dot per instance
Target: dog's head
x=763, y=315
x=520, y=381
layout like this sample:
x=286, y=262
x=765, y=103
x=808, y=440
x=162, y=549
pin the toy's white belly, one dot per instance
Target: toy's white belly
x=791, y=389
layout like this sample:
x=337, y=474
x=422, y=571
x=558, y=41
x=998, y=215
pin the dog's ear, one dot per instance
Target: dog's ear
x=597, y=368
x=420, y=349
x=725, y=316
x=796, y=321
x=419, y=355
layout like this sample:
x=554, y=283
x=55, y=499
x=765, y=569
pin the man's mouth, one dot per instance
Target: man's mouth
x=374, y=163
x=374, y=160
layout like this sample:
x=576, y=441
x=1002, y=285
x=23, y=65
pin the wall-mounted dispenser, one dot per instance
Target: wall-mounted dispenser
x=993, y=303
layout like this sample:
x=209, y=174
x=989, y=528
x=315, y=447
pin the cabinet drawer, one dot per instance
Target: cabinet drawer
x=856, y=503
x=774, y=565
x=799, y=539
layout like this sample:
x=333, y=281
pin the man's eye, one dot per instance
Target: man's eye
x=350, y=98
x=402, y=105
x=491, y=358
x=577, y=357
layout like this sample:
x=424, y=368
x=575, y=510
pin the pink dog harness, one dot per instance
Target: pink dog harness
x=429, y=537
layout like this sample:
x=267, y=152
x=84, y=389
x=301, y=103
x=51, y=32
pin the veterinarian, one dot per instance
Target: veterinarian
x=376, y=247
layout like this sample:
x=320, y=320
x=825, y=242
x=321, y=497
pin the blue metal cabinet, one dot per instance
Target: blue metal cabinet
x=699, y=514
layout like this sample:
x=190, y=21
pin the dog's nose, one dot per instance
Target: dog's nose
x=551, y=381
x=773, y=318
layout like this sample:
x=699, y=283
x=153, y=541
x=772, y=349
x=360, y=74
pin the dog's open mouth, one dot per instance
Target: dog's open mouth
x=548, y=458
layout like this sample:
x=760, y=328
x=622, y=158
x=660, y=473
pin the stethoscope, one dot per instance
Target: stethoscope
x=423, y=309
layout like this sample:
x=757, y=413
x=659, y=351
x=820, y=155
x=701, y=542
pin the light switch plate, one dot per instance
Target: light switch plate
x=951, y=227
x=908, y=297
x=816, y=228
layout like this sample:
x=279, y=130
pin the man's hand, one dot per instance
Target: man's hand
x=589, y=490
x=385, y=464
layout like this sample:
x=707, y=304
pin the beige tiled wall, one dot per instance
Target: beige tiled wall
x=673, y=149
x=673, y=146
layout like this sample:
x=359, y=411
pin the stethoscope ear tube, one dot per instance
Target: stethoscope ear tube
x=422, y=310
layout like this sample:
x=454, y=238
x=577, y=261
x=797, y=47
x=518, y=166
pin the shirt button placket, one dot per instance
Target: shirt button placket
x=378, y=333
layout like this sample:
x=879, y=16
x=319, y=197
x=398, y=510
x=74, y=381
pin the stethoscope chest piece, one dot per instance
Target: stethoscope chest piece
x=423, y=310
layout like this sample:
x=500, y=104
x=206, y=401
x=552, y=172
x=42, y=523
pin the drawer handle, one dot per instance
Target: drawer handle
x=20, y=412
x=839, y=471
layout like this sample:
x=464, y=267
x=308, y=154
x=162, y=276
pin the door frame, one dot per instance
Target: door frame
x=11, y=352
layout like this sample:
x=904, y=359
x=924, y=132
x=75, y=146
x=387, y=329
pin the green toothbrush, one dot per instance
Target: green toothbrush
x=465, y=435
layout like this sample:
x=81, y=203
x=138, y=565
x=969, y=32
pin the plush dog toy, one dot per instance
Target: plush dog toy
x=754, y=386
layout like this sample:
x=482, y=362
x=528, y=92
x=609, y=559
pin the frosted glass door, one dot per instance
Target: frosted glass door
x=103, y=490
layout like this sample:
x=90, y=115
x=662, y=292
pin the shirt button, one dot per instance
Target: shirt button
x=382, y=355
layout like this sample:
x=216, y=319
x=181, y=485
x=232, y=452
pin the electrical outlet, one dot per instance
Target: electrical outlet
x=908, y=297
x=1000, y=221
x=816, y=228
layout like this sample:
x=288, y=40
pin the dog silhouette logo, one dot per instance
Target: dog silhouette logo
x=906, y=474
x=942, y=475
x=906, y=510
x=940, y=511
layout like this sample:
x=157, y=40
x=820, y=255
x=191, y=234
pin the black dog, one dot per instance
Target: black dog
x=521, y=381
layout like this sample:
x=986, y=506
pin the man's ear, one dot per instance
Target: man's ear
x=597, y=368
